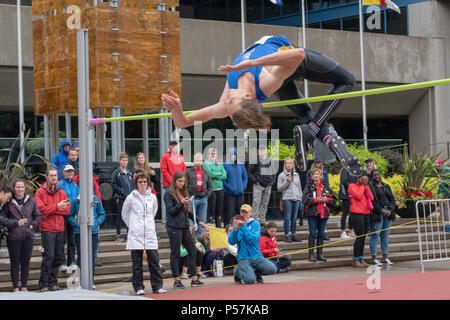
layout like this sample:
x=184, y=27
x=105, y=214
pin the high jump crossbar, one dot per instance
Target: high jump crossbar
x=346, y=95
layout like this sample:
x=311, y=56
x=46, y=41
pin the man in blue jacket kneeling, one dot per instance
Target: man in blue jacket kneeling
x=251, y=262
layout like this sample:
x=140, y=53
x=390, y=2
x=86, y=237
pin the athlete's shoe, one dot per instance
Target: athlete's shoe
x=350, y=162
x=304, y=142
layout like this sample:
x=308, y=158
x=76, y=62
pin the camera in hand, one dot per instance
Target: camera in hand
x=239, y=217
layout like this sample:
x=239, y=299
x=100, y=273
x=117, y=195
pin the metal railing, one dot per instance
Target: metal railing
x=433, y=226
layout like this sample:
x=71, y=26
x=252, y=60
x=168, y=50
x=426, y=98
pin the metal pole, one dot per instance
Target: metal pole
x=68, y=127
x=363, y=80
x=162, y=150
x=145, y=137
x=114, y=149
x=85, y=215
x=46, y=138
x=243, y=24
x=305, y=82
x=20, y=74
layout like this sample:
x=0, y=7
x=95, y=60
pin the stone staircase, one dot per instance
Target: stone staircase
x=116, y=260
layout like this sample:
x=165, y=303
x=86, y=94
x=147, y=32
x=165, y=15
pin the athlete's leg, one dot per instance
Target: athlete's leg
x=320, y=68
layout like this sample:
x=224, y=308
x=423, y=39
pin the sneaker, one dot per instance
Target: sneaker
x=72, y=267
x=184, y=275
x=376, y=262
x=387, y=262
x=259, y=278
x=284, y=270
x=120, y=239
x=357, y=264
x=325, y=237
x=351, y=235
x=236, y=278
x=160, y=290
x=287, y=238
x=63, y=267
x=140, y=292
x=344, y=235
x=365, y=264
x=178, y=285
x=304, y=142
x=55, y=288
x=348, y=161
x=196, y=283
x=202, y=275
x=44, y=289
x=295, y=239
x=162, y=269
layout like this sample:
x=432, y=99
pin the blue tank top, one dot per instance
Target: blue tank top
x=263, y=47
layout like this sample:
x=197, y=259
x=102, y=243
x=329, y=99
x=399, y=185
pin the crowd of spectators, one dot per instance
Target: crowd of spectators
x=210, y=193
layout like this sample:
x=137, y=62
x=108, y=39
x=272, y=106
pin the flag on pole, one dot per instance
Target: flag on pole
x=217, y=238
x=277, y=2
x=385, y=3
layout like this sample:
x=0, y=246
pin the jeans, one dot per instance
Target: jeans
x=290, y=211
x=52, y=258
x=200, y=208
x=316, y=227
x=261, y=197
x=246, y=268
x=385, y=223
x=20, y=255
x=95, y=243
x=233, y=205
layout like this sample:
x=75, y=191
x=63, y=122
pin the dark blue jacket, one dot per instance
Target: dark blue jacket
x=122, y=183
x=61, y=158
x=237, y=178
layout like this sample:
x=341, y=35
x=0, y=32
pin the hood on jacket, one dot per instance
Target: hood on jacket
x=45, y=186
x=63, y=143
x=232, y=151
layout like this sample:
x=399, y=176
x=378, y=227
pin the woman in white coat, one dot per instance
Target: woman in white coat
x=138, y=213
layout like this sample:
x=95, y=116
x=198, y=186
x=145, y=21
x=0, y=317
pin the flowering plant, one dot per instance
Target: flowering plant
x=403, y=196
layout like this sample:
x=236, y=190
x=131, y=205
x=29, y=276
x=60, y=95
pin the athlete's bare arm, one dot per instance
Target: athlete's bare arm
x=173, y=103
x=286, y=60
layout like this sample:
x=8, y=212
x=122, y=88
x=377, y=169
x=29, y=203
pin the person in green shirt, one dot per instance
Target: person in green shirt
x=215, y=201
x=198, y=258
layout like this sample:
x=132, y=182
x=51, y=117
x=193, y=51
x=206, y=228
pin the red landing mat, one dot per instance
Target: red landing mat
x=413, y=286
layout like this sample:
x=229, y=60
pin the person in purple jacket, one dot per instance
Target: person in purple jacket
x=20, y=239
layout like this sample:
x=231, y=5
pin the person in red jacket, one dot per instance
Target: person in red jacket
x=360, y=208
x=171, y=162
x=53, y=204
x=269, y=248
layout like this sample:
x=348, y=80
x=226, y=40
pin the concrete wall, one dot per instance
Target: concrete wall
x=432, y=20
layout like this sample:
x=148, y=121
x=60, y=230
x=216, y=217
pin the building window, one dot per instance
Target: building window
x=332, y=24
x=397, y=23
x=314, y=25
x=350, y=23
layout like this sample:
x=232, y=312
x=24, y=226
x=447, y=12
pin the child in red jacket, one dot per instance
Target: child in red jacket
x=269, y=248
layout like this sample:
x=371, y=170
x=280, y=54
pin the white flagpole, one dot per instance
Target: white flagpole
x=305, y=82
x=243, y=24
x=363, y=80
x=19, y=72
